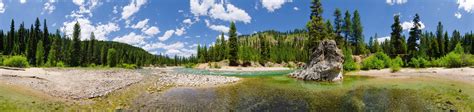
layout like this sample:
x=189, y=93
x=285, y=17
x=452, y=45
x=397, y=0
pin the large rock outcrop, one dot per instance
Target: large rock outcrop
x=325, y=64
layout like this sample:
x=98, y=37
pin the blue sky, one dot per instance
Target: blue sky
x=175, y=27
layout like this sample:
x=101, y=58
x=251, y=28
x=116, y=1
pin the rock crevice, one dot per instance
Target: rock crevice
x=325, y=64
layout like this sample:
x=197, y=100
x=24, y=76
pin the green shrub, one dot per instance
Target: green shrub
x=189, y=65
x=395, y=68
x=129, y=66
x=397, y=61
x=60, y=64
x=349, y=64
x=377, y=61
x=414, y=63
x=16, y=61
x=452, y=60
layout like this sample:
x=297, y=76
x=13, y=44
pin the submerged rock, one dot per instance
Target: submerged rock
x=325, y=64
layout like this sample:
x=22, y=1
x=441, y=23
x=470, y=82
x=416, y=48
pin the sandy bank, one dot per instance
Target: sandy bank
x=460, y=74
x=249, y=69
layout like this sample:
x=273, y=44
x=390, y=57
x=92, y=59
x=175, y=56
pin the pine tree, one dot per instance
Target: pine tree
x=47, y=44
x=455, y=39
x=446, y=42
x=396, y=38
x=439, y=37
x=10, y=39
x=347, y=27
x=92, y=48
x=39, y=54
x=52, y=55
x=31, y=50
x=358, y=39
x=2, y=43
x=415, y=34
x=224, y=47
x=338, y=27
x=233, y=45
x=76, y=46
x=22, y=36
x=316, y=27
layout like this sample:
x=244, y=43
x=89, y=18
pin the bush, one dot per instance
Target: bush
x=16, y=61
x=349, y=64
x=452, y=60
x=377, y=61
x=60, y=64
x=395, y=68
x=189, y=65
x=129, y=66
x=396, y=64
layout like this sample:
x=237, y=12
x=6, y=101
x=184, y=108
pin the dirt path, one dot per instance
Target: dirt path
x=459, y=74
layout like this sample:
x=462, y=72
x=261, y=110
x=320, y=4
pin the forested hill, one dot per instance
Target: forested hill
x=266, y=46
x=42, y=48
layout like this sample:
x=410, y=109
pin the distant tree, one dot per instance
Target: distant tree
x=439, y=37
x=455, y=39
x=396, y=38
x=264, y=50
x=10, y=39
x=112, y=57
x=358, y=39
x=22, y=38
x=52, y=55
x=447, y=42
x=233, y=45
x=76, y=46
x=347, y=27
x=46, y=41
x=92, y=48
x=40, y=54
x=2, y=43
x=415, y=35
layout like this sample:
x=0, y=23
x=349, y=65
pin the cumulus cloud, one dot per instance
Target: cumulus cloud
x=78, y=2
x=409, y=24
x=382, y=39
x=180, y=31
x=467, y=5
x=115, y=10
x=393, y=2
x=187, y=21
x=141, y=24
x=296, y=8
x=220, y=28
x=177, y=48
x=2, y=7
x=222, y=11
x=151, y=31
x=458, y=15
x=100, y=30
x=166, y=36
x=132, y=8
x=48, y=7
x=22, y=1
x=132, y=39
x=272, y=5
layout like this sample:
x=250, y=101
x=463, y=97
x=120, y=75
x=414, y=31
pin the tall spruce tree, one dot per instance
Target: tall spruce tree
x=40, y=54
x=76, y=46
x=415, y=35
x=233, y=45
x=46, y=42
x=11, y=39
x=396, y=38
x=338, y=23
x=2, y=43
x=358, y=39
x=347, y=27
x=52, y=55
x=316, y=27
x=439, y=38
x=92, y=48
x=446, y=42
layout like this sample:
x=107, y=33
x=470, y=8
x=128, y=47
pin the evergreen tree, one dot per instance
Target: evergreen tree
x=112, y=57
x=446, y=42
x=233, y=45
x=371, y=44
x=2, y=43
x=92, y=48
x=396, y=38
x=52, y=55
x=347, y=27
x=358, y=39
x=338, y=27
x=31, y=50
x=22, y=36
x=76, y=46
x=10, y=40
x=439, y=37
x=39, y=54
x=415, y=35
x=264, y=50
x=47, y=44
x=455, y=39
x=376, y=47
x=316, y=28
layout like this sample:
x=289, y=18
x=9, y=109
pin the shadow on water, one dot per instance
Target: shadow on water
x=272, y=91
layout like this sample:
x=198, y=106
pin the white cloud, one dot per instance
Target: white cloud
x=22, y=1
x=272, y=5
x=151, y=31
x=382, y=39
x=409, y=24
x=467, y=5
x=141, y=24
x=222, y=11
x=231, y=14
x=132, y=8
x=166, y=36
x=115, y=10
x=220, y=28
x=132, y=39
x=187, y=21
x=225, y=37
x=200, y=7
x=458, y=15
x=393, y=2
x=296, y=8
x=100, y=30
x=48, y=7
x=2, y=7
x=177, y=48
x=78, y=2
x=180, y=31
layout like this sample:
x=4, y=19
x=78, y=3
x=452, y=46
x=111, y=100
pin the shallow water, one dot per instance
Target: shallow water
x=274, y=91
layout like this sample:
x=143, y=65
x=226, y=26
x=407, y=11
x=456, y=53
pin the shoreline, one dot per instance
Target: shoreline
x=246, y=69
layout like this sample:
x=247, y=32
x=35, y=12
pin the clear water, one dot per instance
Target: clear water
x=274, y=91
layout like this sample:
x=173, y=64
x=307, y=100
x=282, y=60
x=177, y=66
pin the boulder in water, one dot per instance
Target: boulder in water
x=325, y=64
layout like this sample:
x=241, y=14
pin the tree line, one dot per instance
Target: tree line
x=42, y=48
x=346, y=29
